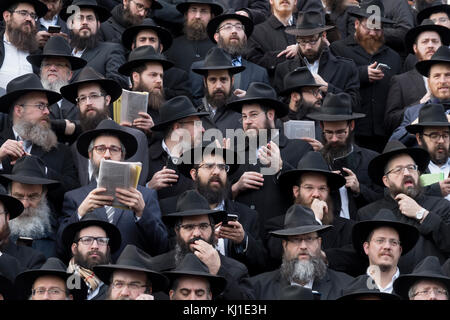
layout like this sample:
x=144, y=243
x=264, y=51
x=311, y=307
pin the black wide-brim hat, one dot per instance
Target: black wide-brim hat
x=7, y=289
x=164, y=35
x=308, y=23
x=89, y=75
x=92, y=219
x=428, y=269
x=297, y=79
x=408, y=234
x=430, y=115
x=12, y=205
x=216, y=8
x=262, y=93
x=18, y=87
x=426, y=25
x=442, y=55
x=394, y=147
x=359, y=288
x=40, y=7
x=102, y=13
x=106, y=127
x=336, y=107
x=427, y=12
x=217, y=59
x=312, y=162
x=214, y=23
x=362, y=11
x=57, y=47
x=140, y=56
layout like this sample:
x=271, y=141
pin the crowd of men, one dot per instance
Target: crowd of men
x=229, y=204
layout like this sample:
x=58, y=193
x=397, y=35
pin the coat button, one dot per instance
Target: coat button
x=252, y=207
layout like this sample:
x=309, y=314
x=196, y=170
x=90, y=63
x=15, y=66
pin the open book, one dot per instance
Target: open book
x=297, y=129
x=128, y=106
x=117, y=174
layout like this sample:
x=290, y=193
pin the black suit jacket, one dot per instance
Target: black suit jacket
x=58, y=115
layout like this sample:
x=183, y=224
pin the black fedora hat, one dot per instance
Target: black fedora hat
x=295, y=292
x=107, y=126
x=259, y=92
x=426, y=25
x=408, y=234
x=217, y=59
x=299, y=220
x=175, y=109
x=394, y=147
x=314, y=162
x=216, y=7
x=22, y=85
x=192, y=203
x=102, y=13
x=57, y=47
x=442, y=55
x=191, y=266
x=141, y=56
x=52, y=267
x=40, y=7
x=427, y=269
x=336, y=107
x=132, y=259
x=430, y=115
x=214, y=23
x=361, y=287
x=89, y=75
x=7, y=289
x=297, y=79
x=30, y=170
x=365, y=10
x=12, y=205
x=308, y=23
x=92, y=219
x=436, y=7
x=165, y=37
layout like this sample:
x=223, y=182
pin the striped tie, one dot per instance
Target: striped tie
x=110, y=213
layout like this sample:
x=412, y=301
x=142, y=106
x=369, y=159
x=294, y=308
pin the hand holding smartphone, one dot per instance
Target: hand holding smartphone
x=230, y=217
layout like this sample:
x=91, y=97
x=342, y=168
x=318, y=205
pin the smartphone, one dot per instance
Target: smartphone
x=171, y=165
x=24, y=241
x=338, y=164
x=230, y=217
x=54, y=29
x=382, y=66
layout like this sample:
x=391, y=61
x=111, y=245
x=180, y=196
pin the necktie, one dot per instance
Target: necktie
x=237, y=77
x=110, y=213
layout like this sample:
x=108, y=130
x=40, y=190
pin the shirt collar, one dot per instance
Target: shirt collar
x=390, y=287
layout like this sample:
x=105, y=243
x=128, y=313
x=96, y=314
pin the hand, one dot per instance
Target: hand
x=239, y=93
x=316, y=144
x=319, y=80
x=94, y=200
x=290, y=51
x=270, y=156
x=233, y=231
x=374, y=74
x=320, y=208
x=70, y=128
x=145, y=122
x=208, y=255
x=163, y=178
x=62, y=34
x=132, y=198
x=243, y=13
x=145, y=296
x=445, y=187
x=426, y=97
x=249, y=180
x=407, y=205
x=13, y=149
x=42, y=37
x=351, y=181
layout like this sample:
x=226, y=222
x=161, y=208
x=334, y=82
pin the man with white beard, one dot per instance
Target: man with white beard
x=28, y=183
x=303, y=263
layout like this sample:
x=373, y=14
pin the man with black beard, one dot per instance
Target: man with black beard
x=19, y=37
x=303, y=263
x=194, y=223
x=194, y=44
x=128, y=13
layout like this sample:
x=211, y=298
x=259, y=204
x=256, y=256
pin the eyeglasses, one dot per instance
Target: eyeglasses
x=132, y=286
x=113, y=150
x=53, y=292
x=250, y=117
x=25, y=13
x=315, y=92
x=382, y=241
x=88, y=240
x=310, y=189
x=398, y=170
x=434, y=136
x=339, y=133
x=427, y=293
x=304, y=42
x=31, y=198
x=212, y=166
x=40, y=106
x=440, y=20
x=190, y=226
x=140, y=6
x=298, y=241
x=92, y=97
x=230, y=26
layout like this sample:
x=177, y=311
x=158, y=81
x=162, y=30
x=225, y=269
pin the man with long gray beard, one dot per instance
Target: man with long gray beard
x=303, y=263
x=37, y=223
x=19, y=37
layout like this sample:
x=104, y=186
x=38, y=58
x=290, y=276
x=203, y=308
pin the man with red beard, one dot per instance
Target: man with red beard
x=410, y=87
x=19, y=37
x=367, y=49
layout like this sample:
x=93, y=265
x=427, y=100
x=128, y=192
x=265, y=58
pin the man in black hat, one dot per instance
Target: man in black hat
x=131, y=277
x=334, y=74
x=19, y=37
x=194, y=43
x=27, y=103
x=51, y=20
x=408, y=88
x=303, y=263
x=438, y=12
x=230, y=31
x=83, y=19
x=126, y=14
x=367, y=49
x=194, y=222
x=436, y=69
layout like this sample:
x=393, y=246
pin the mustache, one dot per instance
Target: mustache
x=192, y=241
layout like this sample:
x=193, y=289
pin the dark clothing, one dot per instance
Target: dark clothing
x=184, y=52
x=111, y=30
x=57, y=115
x=176, y=83
x=223, y=119
x=27, y=257
x=344, y=22
x=259, y=10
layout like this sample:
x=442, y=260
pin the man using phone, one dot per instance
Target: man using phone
x=51, y=24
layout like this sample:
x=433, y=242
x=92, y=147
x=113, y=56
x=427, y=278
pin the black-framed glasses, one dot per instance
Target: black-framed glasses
x=91, y=97
x=315, y=92
x=400, y=169
x=434, y=136
x=191, y=226
x=40, y=106
x=339, y=133
x=113, y=150
x=303, y=42
x=250, y=117
x=88, y=240
x=212, y=166
x=25, y=13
